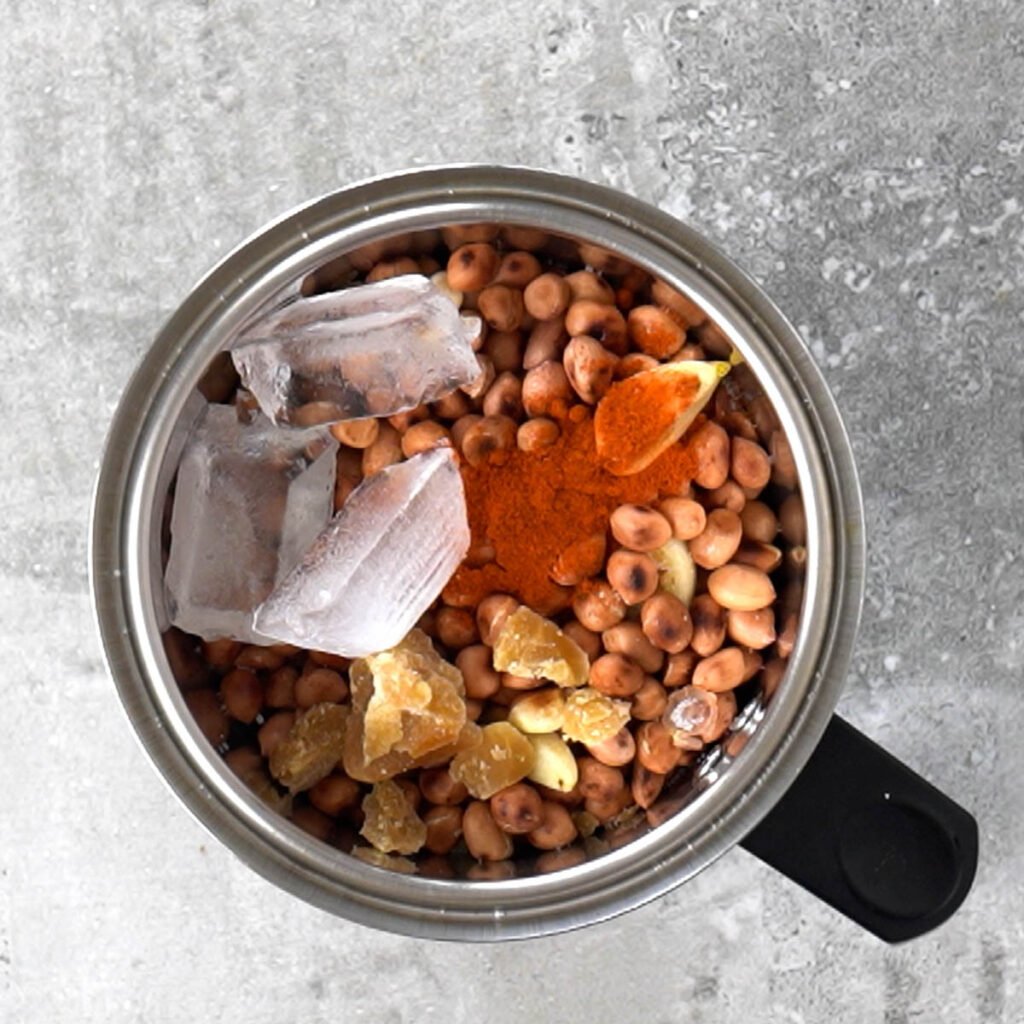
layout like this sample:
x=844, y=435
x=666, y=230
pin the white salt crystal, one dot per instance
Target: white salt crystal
x=379, y=564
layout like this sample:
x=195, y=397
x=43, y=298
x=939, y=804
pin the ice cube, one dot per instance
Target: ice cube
x=372, y=350
x=379, y=564
x=250, y=499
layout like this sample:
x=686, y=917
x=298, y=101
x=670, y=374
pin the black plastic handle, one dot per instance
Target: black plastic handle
x=871, y=838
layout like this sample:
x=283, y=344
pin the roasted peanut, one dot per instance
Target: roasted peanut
x=771, y=676
x=517, y=269
x=474, y=662
x=721, y=671
x=392, y=268
x=749, y=464
x=730, y=496
x=633, y=574
x=654, y=332
x=438, y=787
x=536, y=434
x=505, y=350
x=741, y=587
x=580, y=560
x=546, y=391
x=546, y=342
x=599, y=781
x=752, y=664
x=444, y=829
x=280, y=689
x=596, y=320
x=787, y=635
x=502, y=307
x=605, y=811
x=310, y=820
x=556, y=828
x=666, y=622
x=792, y=520
x=708, y=625
x=679, y=668
x=616, y=676
x=713, y=341
x=491, y=614
x=334, y=794
x=586, y=639
x=649, y=701
x=483, y=837
x=505, y=396
x=402, y=421
x=517, y=809
x=685, y=311
x=456, y=627
x=385, y=450
x=241, y=693
x=478, y=386
x=639, y=527
x=274, y=730
x=760, y=524
x=686, y=517
x=472, y=267
x=655, y=749
x=597, y=605
x=765, y=557
x=547, y=296
x=752, y=629
x=527, y=239
x=645, y=786
x=615, y=751
x=717, y=542
x=421, y=437
x=628, y=638
x=260, y=659
x=560, y=860
x=783, y=464
x=585, y=284
x=710, y=444
x=589, y=367
x=488, y=438
x=318, y=686
x=633, y=363
x=461, y=426
x=452, y=406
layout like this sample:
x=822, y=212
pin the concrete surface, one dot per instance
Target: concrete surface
x=863, y=160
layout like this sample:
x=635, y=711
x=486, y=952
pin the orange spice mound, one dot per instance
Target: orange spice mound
x=637, y=416
x=533, y=505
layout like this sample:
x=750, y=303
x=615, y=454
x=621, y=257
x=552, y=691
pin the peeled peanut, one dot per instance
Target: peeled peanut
x=645, y=786
x=628, y=638
x=541, y=711
x=766, y=557
x=599, y=321
x=546, y=342
x=649, y=701
x=356, y=433
x=517, y=269
x=741, y=587
x=553, y=763
x=685, y=311
x=730, y=495
x=585, y=284
x=639, y=527
x=484, y=838
x=655, y=749
x=654, y=331
x=472, y=267
x=556, y=828
x=792, y=520
x=782, y=462
x=517, y=808
x=546, y=391
x=616, y=676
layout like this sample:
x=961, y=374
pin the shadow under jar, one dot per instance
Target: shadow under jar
x=775, y=771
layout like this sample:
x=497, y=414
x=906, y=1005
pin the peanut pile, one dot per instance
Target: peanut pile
x=547, y=734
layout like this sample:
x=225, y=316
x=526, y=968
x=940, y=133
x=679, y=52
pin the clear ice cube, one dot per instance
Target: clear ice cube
x=379, y=564
x=372, y=350
x=250, y=499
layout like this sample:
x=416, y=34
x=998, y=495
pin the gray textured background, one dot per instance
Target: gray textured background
x=863, y=160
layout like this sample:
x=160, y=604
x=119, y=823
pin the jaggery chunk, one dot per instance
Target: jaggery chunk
x=502, y=756
x=312, y=748
x=532, y=646
x=408, y=707
x=590, y=716
x=392, y=824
